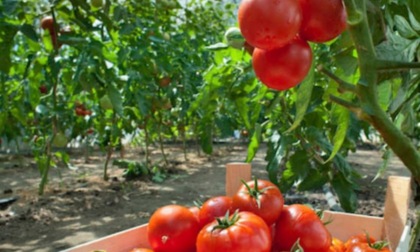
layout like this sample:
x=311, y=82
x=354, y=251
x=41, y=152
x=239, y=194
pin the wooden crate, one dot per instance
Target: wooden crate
x=392, y=227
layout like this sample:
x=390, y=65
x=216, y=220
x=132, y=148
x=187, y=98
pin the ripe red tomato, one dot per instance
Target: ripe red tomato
x=47, y=23
x=243, y=231
x=164, y=81
x=299, y=222
x=359, y=238
x=214, y=208
x=268, y=24
x=322, y=20
x=337, y=245
x=173, y=228
x=366, y=247
x=141, y=250
x=260, y=197
x=284, y=67
x=43, y=89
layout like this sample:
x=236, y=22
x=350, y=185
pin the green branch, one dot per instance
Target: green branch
x=343, y=85
x=396, y=65
x=368, y=93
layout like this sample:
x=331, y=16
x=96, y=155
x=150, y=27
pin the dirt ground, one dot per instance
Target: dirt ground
x=79, y=206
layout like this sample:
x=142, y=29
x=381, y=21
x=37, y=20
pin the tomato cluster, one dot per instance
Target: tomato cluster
x=254, y=219
x=81, y=110
x=279, y=31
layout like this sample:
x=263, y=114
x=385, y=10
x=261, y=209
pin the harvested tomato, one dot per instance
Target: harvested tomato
x=260, y=197
x=337, y=245
x=269, y=24
x=300, y=223
x=141, y=250
x=172, y=228
x=196, y=211
x=323, y=20
x=284, y=67
x=359, y=238
x=214, y=208
x=366, y=247
x=242, y=231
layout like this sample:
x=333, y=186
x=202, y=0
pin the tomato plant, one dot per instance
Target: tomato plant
x=173, y=228
x=260, y=197
x=299, y=223
x=240, y=232
x=283, y=67
x=267, y=24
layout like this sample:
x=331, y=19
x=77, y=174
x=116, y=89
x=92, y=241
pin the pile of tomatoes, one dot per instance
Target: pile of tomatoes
x=279, y=30
x=254, y=219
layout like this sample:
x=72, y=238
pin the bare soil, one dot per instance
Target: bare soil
x=79, y=206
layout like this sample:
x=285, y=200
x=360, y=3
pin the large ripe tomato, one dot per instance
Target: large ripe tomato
x=300, y=222
x=242, y=231
x=268, y=24
x=366, y=247
x=322, y=20
x=260, y=197
x=172, y=228
x=284, y=67
x=141, y=250
x=359, y=238
x=214, y=208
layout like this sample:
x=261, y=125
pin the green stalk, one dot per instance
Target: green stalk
x=367, y=90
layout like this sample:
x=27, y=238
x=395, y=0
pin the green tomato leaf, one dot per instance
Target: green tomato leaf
x=29, y=31
x=217, y=46
x=314, y=180
x=345, y=192
x=243, y=109
x=414, y=6
x=254, y=144
x=342, y=119
x=304, y=93
x=277, y=147
x=404, y=28
x=116, y=99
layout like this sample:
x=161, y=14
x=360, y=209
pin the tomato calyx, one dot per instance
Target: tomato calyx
x=254, y=192
x=226, y=221
x=297, y=247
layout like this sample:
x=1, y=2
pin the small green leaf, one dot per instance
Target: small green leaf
x=386, y=157
x=304, y=93
x=313, y=180
x=116, y=99
x=29, y=31
x=255, y=143
x=345, y=192
x=217, y=46
x=342, y=119
x=404, y=28
x=414, y=6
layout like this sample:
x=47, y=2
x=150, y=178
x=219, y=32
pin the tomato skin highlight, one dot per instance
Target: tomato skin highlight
x=214, y=208
x=271, y=200
x=284, y=67
x=364, y=247
x=299, y=222
x=249, y=233
x=323, y=20
x=359, y=238
x=268, y=24
x=172, y=228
